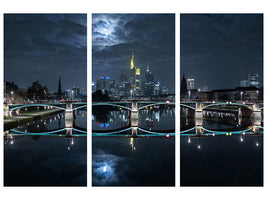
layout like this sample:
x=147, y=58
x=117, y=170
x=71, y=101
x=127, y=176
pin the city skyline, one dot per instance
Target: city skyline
x=116, y=36
x=220, y=50
x=42, y=47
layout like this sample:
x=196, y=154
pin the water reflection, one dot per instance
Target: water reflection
x=121, y=161
x=141, y=155
x=153, y=120
x=43, y=153
x=224, y=145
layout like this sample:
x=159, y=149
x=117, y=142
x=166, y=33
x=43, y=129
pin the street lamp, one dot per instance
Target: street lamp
x=131, y=91
x=12, y=96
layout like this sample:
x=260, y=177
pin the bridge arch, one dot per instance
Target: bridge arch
x=153, y=104
x=110, y=104
x=79, y=107
x=190, y=107
x=235, y=104
x=35, y=105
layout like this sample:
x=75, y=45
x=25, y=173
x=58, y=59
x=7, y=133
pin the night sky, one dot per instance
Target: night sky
x=150, y=36
x=219, y=50
x=40, y=47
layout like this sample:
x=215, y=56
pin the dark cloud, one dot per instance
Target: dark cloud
x=219, y=50
x=150, y=36
x=44, y=46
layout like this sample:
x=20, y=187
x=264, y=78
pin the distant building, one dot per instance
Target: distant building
x=244, y=83
x=123, y=79
x=156, y=88
x=149, y=76
x=237, y=94
x=105, y=84
x=149, y=89
x=253, y=79
x=111, y=87
x=165, y=91
x=124, y=89
x=205, y=88
x=190, y=84
x=149, y=85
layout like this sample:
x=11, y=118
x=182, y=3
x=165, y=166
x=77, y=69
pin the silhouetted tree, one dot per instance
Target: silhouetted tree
x=100, y=96
x=37, y=91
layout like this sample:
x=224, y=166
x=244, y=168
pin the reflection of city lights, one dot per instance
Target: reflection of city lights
x=189, y=141
x=68, y=148
x=11, y=142
x=198, y=146
x=241, y=139
x=257, y=144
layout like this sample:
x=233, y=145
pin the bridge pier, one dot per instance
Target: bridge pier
x=199, y=114
x=256, y=122
x=68, y=131
x=69, y=113
x=6, y=111
x=69, y=118
x=199, y=130
x=256, y=114
x=134, y=131
x=134, y=115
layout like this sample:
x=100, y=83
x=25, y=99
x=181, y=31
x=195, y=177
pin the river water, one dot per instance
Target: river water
x=46, y=160
x=226, y=158
x=121, y=160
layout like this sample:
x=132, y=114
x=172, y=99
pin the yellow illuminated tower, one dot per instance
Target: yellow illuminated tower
x=132, y=62
x=135, y=78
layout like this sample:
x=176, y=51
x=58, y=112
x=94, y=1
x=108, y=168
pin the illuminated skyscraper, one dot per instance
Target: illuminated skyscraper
x=149, y=76
x=132, y=72
x=135, y=78
x=149, y=84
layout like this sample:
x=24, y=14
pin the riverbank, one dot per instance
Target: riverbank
x=12, y=122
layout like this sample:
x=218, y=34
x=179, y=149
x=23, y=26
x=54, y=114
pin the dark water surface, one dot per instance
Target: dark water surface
x=222, y=160
x=150, y=161
x=46, y=160
x=125, y=161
